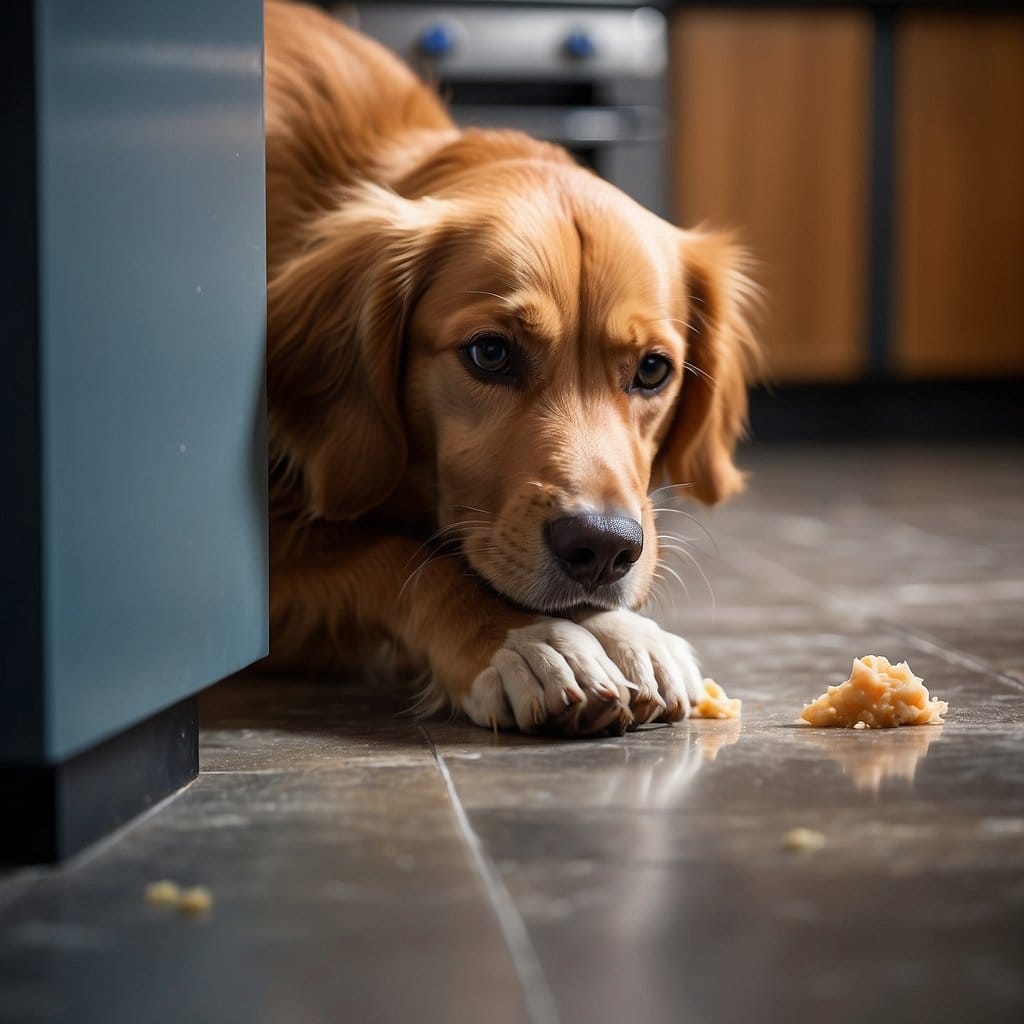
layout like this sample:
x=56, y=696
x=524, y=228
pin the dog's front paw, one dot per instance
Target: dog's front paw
x=552, y=676
x=661, y=667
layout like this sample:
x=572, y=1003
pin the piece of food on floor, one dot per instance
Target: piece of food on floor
x=163, y=893
x=803, y=840
x=716, y=703
x=197, y=900
x=878, y=695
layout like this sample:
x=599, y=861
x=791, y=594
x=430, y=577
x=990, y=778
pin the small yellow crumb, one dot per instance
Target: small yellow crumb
x=163, y=893
x=716, y=703
x=197, y=900
x=878, y=695
x=803, y=840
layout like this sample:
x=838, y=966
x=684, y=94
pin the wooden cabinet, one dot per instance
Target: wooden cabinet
x=959, y=195
x=771, y=114
x=779, y=119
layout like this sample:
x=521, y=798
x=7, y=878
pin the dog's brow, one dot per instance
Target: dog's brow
x=538, y=316
x=634, y=333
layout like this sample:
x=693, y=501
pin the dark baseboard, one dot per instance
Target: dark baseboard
x=890, y=410
x=52, y=811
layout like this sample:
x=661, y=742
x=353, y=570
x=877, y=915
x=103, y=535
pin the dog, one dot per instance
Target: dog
x=481, y=358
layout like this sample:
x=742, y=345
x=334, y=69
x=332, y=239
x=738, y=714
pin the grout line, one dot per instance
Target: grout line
x=26, y=878
x=18, y=881
x=104, y=843
x=784, y=579
x=836, y=606
x=540, y=1001
x=929, y=642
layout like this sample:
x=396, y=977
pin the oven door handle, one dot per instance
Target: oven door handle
x=571, y=126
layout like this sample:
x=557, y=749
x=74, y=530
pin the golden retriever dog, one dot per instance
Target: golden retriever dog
x=480, y=359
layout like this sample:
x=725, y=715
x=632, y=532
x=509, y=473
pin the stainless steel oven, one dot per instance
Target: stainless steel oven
x=589, y=78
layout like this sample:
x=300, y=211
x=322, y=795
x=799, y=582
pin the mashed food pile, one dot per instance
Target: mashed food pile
x=877, y=695
x=716, y=703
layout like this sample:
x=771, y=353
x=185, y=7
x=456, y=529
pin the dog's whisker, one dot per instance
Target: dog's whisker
x=455, y=531
x=673, y=547
x=411, y=578
x=678, y=538
x=658, y=492
x=432, y=539
x=416, y=574
x=699, y=372
x=473, y=508
x=672, y=320
x=458, y=534
x=477, y=291
x=689, y=557
x=667, y=596
x=677, y=577
x=696, y=522
x=654, y=595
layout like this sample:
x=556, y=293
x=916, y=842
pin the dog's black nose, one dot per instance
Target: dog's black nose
x=594, y=549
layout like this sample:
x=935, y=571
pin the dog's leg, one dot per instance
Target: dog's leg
x=503, y=667
x=365, y=585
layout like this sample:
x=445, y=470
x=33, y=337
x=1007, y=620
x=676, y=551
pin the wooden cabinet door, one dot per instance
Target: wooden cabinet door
x=959, y=195
x=771, y=113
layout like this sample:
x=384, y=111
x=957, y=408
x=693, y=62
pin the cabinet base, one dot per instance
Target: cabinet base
x=54, y=810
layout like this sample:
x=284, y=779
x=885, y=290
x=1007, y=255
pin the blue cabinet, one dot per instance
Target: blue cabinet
x=134, y=424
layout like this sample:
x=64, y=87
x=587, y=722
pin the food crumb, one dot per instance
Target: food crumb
x=716, y=703
x=803, y=840
x=197, y=900
x=163, y=893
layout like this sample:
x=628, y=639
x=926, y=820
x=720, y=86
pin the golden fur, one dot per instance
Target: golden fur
x=408, y=497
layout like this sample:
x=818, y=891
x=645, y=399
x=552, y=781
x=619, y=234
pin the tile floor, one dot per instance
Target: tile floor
x=368, y=867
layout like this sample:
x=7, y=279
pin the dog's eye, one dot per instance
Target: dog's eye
x=652, y=372
x=490, y=353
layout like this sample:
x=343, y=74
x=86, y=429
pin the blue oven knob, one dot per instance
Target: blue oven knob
x=580, y=45
x=436, y=40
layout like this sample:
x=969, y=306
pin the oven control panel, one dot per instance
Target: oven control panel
x=492, y=41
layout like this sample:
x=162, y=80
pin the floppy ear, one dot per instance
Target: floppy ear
x=721, y=353
x=336, y=316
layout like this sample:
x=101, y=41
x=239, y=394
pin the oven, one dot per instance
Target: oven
x=589, y=78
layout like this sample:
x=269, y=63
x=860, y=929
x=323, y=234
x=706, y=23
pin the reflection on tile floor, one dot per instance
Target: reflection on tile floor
x=368, y=867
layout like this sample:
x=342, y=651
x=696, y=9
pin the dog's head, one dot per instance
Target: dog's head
x=536, y=351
